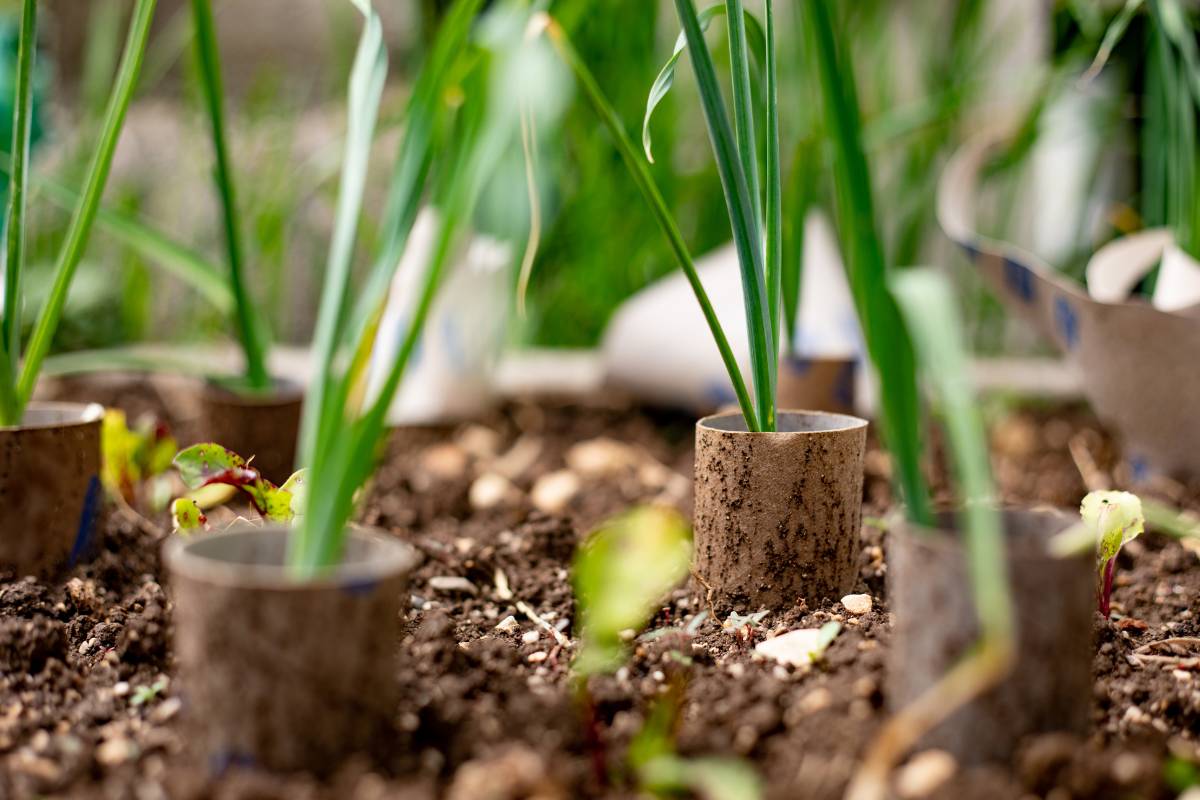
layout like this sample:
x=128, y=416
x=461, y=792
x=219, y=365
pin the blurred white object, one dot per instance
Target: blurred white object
x=1117, y=268
x=658, y=345
x=450, y=373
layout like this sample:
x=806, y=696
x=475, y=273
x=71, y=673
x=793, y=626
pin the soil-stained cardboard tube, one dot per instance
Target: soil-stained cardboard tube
x=1136, y=363
x=824, y=382
x=280, y=673
x=1049, y=689
x=777, y=514
x=261, y=425
x=49, y=486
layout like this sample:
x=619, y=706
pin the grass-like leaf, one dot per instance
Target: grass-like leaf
x=658, y=206
x=665, y=79
x=249, y=326
x=743, y=217
x=929, y=309
x=80, y=226
x=886, y=339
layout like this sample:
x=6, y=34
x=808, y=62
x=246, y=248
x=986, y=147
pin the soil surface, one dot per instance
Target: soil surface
x=488, y=712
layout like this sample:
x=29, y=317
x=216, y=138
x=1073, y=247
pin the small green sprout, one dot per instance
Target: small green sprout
x=1113, y=518
x=210, y=464
x=145, y=694
x=132, y=457
x=621, y=572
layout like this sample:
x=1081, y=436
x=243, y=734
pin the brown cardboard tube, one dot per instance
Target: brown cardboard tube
x=826, y=383
x=279, y=673
x=49, y=487
x=264, y=426
x=1050, y=687
x=777, y=514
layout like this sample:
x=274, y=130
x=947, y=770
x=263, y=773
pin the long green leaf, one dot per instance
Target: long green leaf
x=665, y=79
x=773, y=222
x=14, y=226
x=886, y=339
x=172, y=257
x=800, y=197
x=743, y=102
x=928, y=307
x=80, y=226
x=658, y=206
x=367, y=77
x=742, y=216
x=209, y=58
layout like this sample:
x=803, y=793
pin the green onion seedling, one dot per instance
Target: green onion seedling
x=1114, y=519
x=251, y=329
x=19, y=370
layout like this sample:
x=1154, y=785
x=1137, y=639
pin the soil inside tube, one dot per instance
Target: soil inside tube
x=88, y=708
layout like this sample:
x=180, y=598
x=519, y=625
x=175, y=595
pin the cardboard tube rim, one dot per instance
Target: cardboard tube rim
x=842, y=423
x=284, y=391
x=65, y=415
x=386, y=557
x=945, y=537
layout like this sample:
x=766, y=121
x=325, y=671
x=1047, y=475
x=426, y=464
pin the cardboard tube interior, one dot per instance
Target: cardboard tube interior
x=1050, y=688
x=314, y=661
x=49, y=487
x=777, y=515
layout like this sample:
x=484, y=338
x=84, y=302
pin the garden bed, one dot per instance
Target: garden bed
x=87, y=707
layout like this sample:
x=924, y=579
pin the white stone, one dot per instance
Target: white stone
x=554, y=491
x=794, y=647
x=115, y=751
x=508, y=624
x=600, y=456
x=538, y=657
x=490, y=490
x=857, y=604
x=480, y=442
x=924, y=774
x=530, y=637
x=444, y=461
x=452, y=583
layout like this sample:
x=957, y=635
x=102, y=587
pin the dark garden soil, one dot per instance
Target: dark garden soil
x=87, y=707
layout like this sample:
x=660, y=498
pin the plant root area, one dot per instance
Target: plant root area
x=89, y=709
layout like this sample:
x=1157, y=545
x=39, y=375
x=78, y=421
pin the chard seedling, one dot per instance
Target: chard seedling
x=19, y=370
x=1113, y=519
x=133, y=458
x=209, y=464
x=620, y=575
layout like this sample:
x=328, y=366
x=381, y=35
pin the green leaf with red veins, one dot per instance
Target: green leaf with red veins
x=186, y=515
x=202, y=464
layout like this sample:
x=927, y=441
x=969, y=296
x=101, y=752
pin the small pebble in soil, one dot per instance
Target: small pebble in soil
x=857, y=604
x=452, y=584
x=530, y=637
x=508, y=624
x=924, y=774
x=794, y=647
x=554, y=491
x=490, y=490
x=115, y=751
x=538, y=657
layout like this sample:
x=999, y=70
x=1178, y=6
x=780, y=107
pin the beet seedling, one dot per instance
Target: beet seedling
x=132, y=458
x=1113, y=518
x=210, y=464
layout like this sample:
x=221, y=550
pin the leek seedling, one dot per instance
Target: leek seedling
x=886, y=339
x=459, y=125
x=929, y=309
x=17, y=379
x=250, y=326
